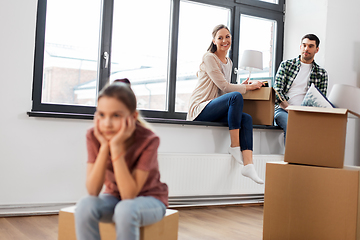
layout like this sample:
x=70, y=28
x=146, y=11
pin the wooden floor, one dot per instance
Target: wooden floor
x=206, y=223
x=226, y=223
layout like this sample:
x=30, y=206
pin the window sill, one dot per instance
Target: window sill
x=150, y=120
x=60, y=115
x=201, y=123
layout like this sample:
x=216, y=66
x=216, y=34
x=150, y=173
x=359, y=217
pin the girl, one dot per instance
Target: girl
x=215, y=99
x=122, y=155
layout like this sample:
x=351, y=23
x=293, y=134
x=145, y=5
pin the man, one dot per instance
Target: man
x=295, y=76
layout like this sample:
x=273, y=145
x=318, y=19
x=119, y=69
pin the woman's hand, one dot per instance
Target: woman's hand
x=246, y=81
x=102, y=140
x=117, y=143
x=253, y=85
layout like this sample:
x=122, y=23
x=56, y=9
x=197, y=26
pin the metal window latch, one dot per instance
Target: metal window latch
x=106, y=58
x=236, y=71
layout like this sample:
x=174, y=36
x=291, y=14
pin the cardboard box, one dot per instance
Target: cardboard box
x=260, y=105
x=312, y=203
x=316, y=136
x=166, y=229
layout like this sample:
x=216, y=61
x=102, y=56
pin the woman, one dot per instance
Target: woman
x=122, y=155
x=215, y=99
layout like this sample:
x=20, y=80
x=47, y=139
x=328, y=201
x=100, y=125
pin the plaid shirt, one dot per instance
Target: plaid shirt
x=287, y=73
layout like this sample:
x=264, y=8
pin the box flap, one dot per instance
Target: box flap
x=353, y=114
x=318, y=109
x=263, y=93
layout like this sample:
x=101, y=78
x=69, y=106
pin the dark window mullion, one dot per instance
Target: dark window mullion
x=235, y=28
x=105, y=43
x=222, y=3
x=173, y=50
x=279, y=7
x=39, y=54
x=279, y=42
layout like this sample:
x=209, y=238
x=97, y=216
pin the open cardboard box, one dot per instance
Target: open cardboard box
x=316, y=136
x=260, y=105
x=312, y=203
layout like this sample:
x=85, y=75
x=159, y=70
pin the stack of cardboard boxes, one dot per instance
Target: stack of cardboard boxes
x=312, y=195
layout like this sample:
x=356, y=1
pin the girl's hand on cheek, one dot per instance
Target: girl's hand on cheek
x=126, y=130
x=97, y=132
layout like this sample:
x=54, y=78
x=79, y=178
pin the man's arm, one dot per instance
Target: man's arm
x=323, y=83
x=279, y=83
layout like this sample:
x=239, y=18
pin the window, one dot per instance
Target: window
x=194, y=38
x=159, y=51
x=258, y=34
x=71, y=52
x=140, y=50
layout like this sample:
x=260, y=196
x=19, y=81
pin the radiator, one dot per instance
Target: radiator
x=211, y=179
x=193, y=180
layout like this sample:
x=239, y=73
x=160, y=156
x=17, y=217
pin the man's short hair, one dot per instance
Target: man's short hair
x=312, y=37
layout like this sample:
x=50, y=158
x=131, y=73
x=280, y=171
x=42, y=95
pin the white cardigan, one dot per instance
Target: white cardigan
x=210, y=80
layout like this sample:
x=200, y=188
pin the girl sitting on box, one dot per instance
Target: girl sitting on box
x=122, y=155
x=215, y=99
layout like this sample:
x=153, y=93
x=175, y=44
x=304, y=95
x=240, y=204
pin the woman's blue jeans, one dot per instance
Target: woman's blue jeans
x=128, y=215
x=228, y=109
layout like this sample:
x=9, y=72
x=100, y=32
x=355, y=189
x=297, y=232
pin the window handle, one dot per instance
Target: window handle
x=236, y=71
x=106, y=58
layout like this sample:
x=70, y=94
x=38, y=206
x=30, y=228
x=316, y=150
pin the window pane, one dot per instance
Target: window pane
x=258, y=34
x=71, y=50
x=195, y=36
x=140, y=42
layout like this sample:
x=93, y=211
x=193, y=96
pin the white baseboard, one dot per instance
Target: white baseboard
x=32, y=209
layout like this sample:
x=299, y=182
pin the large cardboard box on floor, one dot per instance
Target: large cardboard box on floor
x=260, y=105
x=166, y=229
x=312, y=203
x=316, y=136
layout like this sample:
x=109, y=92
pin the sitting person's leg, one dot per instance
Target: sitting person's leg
x=281, y=119
x=246, y=145
x=217, y=109
x=226, y=108
x=239, y=124
x=90, y=211
x=242, y=139
x=131, y=214
x=246, y=133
